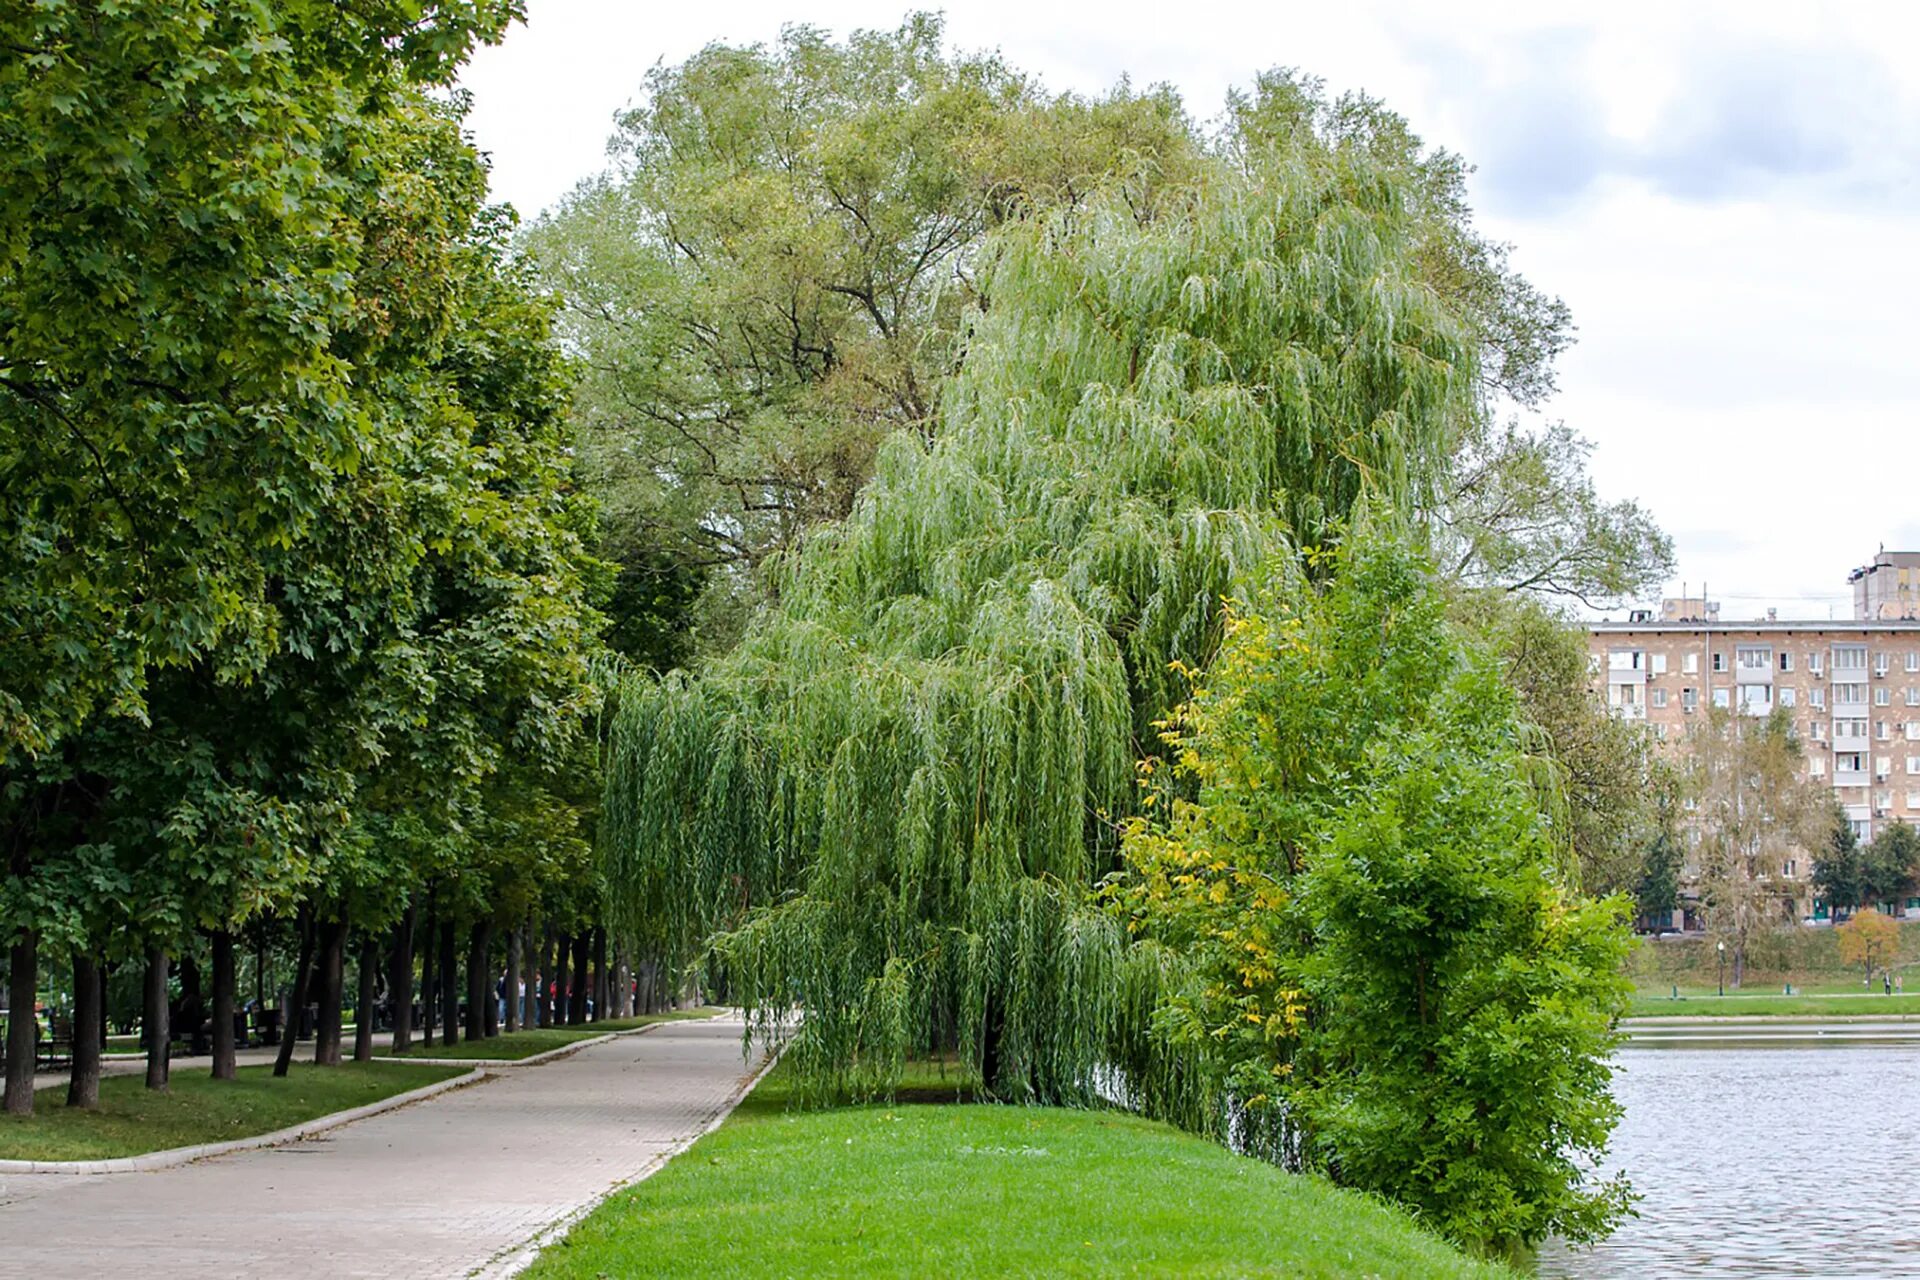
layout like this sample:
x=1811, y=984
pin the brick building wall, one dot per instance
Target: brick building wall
x=1852, y=689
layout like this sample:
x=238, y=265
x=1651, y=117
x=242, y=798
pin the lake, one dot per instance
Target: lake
x=1765, y=1150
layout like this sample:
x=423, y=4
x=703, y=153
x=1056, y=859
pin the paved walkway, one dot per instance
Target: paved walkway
x=442, y=1188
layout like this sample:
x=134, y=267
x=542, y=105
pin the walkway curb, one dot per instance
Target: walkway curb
x=187, y=1155
x=513, y=1261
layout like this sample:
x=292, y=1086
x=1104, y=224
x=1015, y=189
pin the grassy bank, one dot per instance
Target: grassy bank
x=1807, y=957
x=983, y=1191
x=132, y=1120
x=509, y=1046
x=1775, y=1004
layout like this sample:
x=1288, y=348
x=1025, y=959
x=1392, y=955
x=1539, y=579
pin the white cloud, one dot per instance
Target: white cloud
x=1725, y=194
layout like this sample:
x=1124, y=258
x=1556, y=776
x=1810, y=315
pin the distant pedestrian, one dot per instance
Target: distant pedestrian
x=1886, y=980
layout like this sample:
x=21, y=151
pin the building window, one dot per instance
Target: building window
x=1880, y=695
x=1850, y=693
x=1756, y=697
x=1659, y=697
x=1788, y=696
x=1690, y=664
x=1849, y=657
x=1659, y=661
x=1815, y=663
x=1786, y=660
x=1689, y=698
x=1819, y=730
x=1881, y=662
x=1816, y=697
x=1719, y=662
x=1754, y=658
x=1816, y=767
x=1913, y=731
x=1786, y=868
x=1913, y=695
x=1660, y=731
x=1913, y=766
x=1882, y=767
x=1848, y=762
x=1913, y=659
x=1721, y=698
x=1913, y=799
x=1882, y=730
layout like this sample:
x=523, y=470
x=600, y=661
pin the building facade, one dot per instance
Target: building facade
x=1887, y=588
x=1852, y=689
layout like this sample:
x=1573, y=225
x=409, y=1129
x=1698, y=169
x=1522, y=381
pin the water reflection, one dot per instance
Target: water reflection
x=1765, y=1150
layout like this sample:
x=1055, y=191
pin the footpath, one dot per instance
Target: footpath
x=470, y=1182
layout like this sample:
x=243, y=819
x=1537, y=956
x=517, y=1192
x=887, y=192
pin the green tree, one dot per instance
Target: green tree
x=902, y=768
x=1606, y=776
x=1839, y=870
x=388, y=557
x=1892, y=859
x=775, y=279
x=1369, y=955
x=1656, y=893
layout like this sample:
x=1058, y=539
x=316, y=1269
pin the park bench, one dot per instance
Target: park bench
x=55, y=1052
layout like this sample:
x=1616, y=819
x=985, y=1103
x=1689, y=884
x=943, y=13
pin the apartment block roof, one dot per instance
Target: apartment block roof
x=1839, y=626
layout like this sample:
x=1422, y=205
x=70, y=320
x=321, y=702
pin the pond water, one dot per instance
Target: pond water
x=1765, y=1150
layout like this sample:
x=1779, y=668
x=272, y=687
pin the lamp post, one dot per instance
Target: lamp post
x=1721, y=947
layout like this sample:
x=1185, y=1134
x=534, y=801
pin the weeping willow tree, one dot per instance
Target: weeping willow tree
x=887, y=806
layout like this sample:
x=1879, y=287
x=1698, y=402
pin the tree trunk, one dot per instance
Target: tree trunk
x=449, y=985
x=549, y=976
x=223, y=1047
x=577, y=1001
x=23, y=981
x=562, y=951
x=510, y=989
x=602, y=984
x=333, y=966
x=154, y=1018
x=477, y=993
x=190, y=1015
x=296, y=1000
x=530, y=963
x=623, y=985
x=369, y=993
x=83, y=1085
x=429, y=988
x=400, y=982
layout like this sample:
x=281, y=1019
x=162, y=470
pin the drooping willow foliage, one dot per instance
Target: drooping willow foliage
x=887, y=806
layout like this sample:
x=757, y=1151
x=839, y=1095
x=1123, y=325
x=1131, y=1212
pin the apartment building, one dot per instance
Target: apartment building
x=1852, y=687
x=1889, y=587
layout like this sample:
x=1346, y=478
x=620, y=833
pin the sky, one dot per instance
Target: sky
x=1727, y=196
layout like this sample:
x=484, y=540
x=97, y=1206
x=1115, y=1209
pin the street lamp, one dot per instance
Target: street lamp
x=1721, y=947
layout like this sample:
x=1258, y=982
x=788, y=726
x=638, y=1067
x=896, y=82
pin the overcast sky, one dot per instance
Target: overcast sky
x=1728, y=198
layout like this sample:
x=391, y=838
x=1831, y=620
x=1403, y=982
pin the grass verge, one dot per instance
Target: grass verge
x=981, y=1191
x=510, y=1046
x=1777, y=1005
x=132, y=1120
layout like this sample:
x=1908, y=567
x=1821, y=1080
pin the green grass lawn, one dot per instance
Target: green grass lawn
x=971, y=1190
x=511, y=1045
x=1707, y=1004
x=131, y=1120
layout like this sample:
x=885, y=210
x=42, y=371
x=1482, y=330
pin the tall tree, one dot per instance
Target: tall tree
x=1753, y=807
x=1359, y=948
x=775, y=279
x=900, y=770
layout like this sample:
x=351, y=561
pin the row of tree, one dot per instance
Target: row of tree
x=295, y=621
